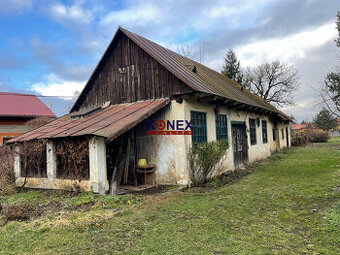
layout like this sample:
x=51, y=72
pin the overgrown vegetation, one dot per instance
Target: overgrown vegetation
x=73, y=158
x=310, y=135
x=7, y=177
x=205, y=160
x=33, y=158
x=318, y=136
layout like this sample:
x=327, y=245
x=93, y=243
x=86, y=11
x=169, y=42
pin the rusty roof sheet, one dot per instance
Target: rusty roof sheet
x=204, y=80
x=109, y=122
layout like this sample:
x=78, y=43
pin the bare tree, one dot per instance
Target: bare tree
x=275, y=82
x=330, y=92
x=197, y=54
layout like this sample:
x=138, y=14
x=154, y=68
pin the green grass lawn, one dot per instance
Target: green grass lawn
x=290, y=205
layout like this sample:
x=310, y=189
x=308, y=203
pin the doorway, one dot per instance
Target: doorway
x=287, y=137
x=240, y=144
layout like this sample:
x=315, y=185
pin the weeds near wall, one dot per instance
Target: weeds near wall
x=33, y=158
x=7, y=177
x=73, y=158
x=205, y=160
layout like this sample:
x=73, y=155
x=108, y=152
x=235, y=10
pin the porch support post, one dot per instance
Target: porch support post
x=98, y=169
x=17, y=163
x=51, y=160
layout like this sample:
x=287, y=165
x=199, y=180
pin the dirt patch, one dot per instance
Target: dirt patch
x=233, y=176
x=154, y=190
x=21, y=212
x=82, y=207
x=336, y=189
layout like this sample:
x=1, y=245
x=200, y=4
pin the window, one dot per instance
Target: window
x=264, y=131
x=282, y=134
x=221, y=126
x=252, y=130
x=199, y=127
x=274, y=134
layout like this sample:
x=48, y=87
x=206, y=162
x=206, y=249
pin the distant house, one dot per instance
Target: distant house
x=16, y=110
x=296, y=127
x=145, y=105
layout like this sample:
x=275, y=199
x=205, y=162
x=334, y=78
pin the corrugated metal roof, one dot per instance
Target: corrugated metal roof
x=109, y=122
x=203, y=80
x=23, y=105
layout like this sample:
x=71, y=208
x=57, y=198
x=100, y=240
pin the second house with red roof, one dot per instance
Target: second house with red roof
x=17, y=111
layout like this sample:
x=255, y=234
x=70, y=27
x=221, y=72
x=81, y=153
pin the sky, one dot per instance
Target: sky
x=50, y=47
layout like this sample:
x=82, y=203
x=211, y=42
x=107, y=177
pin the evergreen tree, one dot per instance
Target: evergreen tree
x=231, y=67
x=325, y=120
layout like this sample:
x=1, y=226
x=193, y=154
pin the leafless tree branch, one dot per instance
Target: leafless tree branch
x=275, y=82
x=196, y=54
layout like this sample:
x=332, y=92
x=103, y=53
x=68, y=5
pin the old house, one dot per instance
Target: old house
x=140, y=104
x=16, y=110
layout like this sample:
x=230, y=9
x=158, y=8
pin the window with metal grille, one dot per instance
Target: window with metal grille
x=199, y=127
x=252, y=130
x=264, y=131
x=282, y=134
x=221, y=126
x=274, y=134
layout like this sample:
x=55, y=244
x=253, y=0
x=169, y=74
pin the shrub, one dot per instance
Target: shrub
x=299, y=139
x=205, y=159
x=7, y=177
x=319, y=136
x=311, y=135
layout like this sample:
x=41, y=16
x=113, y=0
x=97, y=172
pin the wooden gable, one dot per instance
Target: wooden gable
x=126, y=73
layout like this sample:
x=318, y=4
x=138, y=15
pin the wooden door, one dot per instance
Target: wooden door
x=240, y=145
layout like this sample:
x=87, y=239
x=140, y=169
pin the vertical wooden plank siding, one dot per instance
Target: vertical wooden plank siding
x=129, y=74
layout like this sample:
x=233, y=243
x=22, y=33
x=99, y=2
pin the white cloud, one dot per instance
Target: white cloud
x=135, y=13
x=69, y=14
x=305, y=109
x=288, y=48
x=56, y=87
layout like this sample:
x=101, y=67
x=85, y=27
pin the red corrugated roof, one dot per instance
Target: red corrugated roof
x=23, y=105
x=110, y=122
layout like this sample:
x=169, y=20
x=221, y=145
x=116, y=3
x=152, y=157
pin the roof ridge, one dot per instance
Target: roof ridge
x=16, y=93
x=205, y=79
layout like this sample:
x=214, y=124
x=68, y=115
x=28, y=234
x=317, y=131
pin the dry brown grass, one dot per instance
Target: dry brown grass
x=21, y=212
